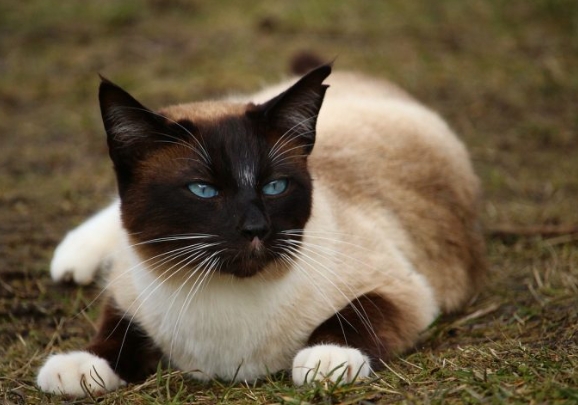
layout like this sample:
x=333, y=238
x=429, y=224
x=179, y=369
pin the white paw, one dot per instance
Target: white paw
x=336, y=363
x=74, y=260
x=84, y=249
x=73, y=374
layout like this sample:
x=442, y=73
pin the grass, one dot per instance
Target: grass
x=502, y=73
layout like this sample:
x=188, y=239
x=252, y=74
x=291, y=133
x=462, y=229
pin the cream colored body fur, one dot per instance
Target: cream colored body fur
x=380, y=162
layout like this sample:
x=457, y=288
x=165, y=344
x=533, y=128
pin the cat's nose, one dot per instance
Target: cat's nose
x=255, y=224
x=252, y=230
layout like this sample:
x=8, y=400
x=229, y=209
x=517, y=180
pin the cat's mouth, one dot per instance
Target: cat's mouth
x=252, y=259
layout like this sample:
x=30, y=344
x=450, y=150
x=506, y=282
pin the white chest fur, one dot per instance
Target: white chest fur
x=230, y=328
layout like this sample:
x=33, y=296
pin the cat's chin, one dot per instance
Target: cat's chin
x=246, y=268
x=254, y=259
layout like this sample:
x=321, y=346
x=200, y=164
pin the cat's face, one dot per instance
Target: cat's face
x=219, y=186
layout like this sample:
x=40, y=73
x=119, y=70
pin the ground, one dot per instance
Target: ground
x=502, y=73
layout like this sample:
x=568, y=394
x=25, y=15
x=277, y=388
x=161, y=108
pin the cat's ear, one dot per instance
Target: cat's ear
x=132, y=129
x=129, y=125
x=294, y=112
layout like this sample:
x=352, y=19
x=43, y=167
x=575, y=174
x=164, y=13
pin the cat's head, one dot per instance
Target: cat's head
x=216, y=186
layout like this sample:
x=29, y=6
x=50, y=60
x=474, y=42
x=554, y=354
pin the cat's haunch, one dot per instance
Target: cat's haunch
x=317, y=226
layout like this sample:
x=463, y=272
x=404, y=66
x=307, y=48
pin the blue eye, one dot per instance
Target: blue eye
x=275, y=187
x=203, y=190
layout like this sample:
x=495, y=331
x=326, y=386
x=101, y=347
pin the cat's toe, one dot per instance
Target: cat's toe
x=336, y=363
x=77, y=373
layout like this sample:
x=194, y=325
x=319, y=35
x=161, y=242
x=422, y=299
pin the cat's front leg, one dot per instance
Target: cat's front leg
x=360, y=337
x=87, y=247
x=121, y=352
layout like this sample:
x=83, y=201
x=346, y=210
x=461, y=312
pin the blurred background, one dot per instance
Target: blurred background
x=504, y=75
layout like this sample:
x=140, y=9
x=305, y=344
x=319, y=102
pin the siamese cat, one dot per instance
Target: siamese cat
x=317, y=226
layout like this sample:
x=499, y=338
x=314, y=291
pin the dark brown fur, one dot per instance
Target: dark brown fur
x=127, y=349
x=370, y=323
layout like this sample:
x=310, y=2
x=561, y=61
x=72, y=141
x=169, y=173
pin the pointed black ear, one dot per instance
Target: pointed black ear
x=294, y=112
x=131, y=129
x=126, y=121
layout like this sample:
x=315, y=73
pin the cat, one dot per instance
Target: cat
x=284, y=231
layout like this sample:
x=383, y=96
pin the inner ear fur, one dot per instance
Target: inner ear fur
x=133, y=131
x=129, y=125
x=294, y=112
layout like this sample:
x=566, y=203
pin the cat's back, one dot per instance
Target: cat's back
x=373, y=126
x=382, y=153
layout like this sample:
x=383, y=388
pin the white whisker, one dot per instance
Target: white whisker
x=202, y=151
x=206, y=267
x=331, y=254
x=193, y=252
x=169, y=256
x=282, y=141
x=287, y=257
x=277, y=158
x=317, y=266
x=326, y=238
